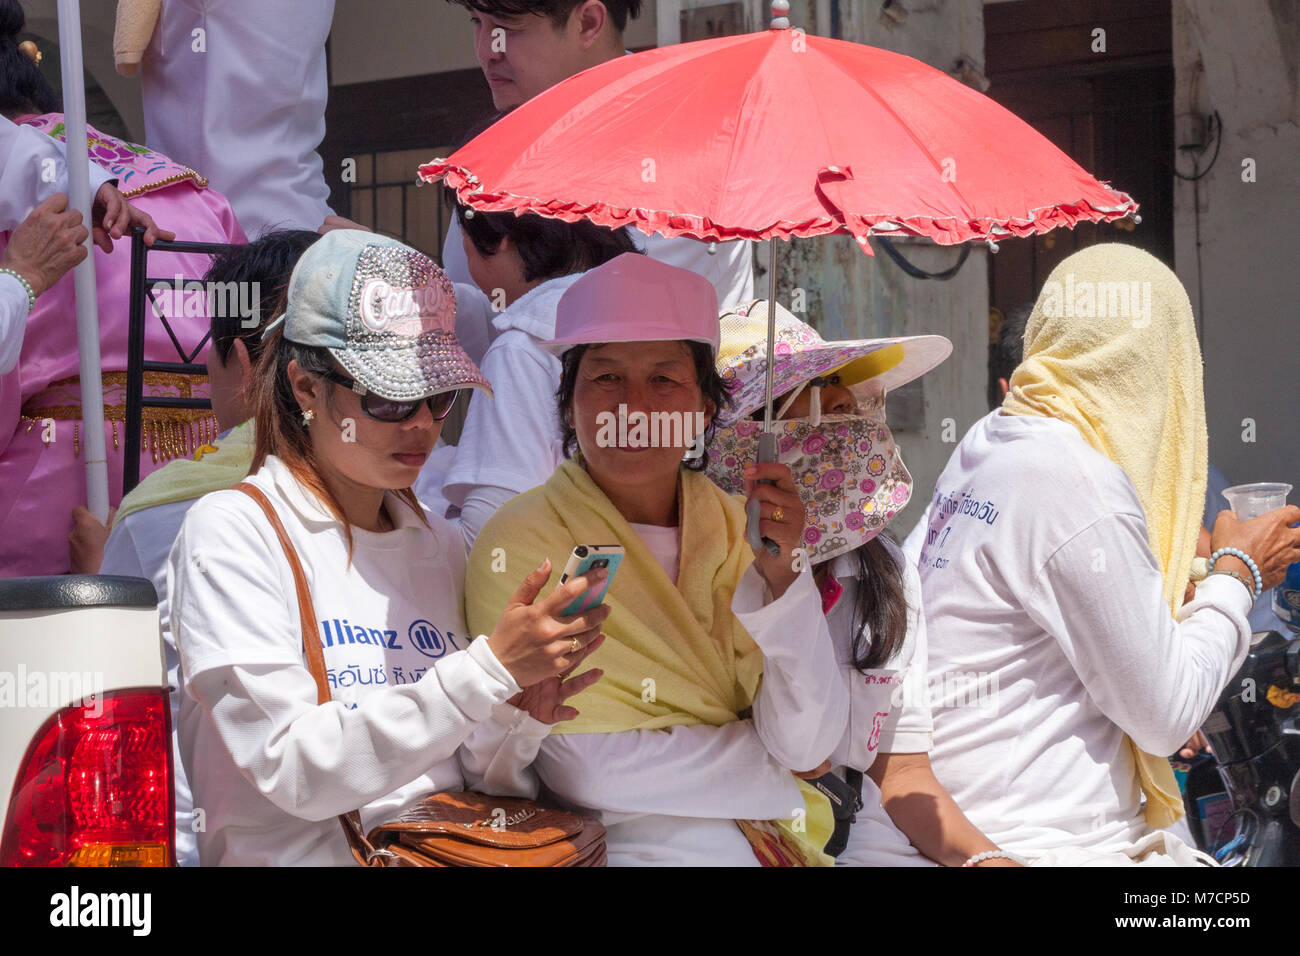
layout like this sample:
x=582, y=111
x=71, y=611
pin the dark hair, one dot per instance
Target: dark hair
x=1007, y=352
x=278, y=427
x=558, y=11
x=267, y=261
x=710, y=382
x=880, y=608
x=23, y=87
x=548, y=247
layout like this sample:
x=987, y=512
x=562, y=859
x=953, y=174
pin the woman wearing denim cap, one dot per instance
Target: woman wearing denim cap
x=830, y=419
x=719, y=674
x=348, y=396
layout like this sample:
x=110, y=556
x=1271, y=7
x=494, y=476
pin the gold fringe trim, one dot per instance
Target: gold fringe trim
x=166, y=433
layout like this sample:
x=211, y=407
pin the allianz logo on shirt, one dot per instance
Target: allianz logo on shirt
x=422, y=635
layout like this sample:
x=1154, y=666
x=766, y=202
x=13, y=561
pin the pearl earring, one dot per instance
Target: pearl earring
x=307, y=416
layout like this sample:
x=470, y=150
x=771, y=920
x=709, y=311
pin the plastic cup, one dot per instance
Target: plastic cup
x=1251, y=501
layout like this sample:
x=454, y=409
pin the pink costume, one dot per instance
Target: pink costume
x=42, y=464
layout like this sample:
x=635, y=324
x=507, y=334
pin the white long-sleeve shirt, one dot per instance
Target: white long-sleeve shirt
x=32, y=169
x=237, y=90
x=1051, y=639
x=671, y=797
x=270, y=767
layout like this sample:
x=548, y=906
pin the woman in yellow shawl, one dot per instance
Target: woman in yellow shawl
x=1054, y=570
x=719, y=676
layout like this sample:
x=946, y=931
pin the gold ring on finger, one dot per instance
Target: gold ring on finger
x=778, y=514
x=575, y=647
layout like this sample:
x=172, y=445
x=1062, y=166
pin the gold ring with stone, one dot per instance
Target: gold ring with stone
x=778, y=514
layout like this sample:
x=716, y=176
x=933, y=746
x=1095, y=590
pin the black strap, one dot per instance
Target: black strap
x=916, y=272
x=846, y=800
x=854, y=779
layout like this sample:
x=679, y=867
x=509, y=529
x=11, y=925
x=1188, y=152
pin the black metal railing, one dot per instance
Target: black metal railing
x=142, y=290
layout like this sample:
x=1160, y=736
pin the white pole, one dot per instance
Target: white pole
x=92, y=391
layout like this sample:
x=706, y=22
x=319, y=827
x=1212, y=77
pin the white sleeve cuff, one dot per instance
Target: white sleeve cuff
x=520, y=723
x=476, y=681
x=1221, y=592
x=775, y=625
x=13, y=321
x=98, y=176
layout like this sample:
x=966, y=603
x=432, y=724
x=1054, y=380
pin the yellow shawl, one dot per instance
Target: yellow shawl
x=674, y=654
x=1111, y=348
x=213, y=468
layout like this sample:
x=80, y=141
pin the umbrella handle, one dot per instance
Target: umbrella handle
x=766, y=453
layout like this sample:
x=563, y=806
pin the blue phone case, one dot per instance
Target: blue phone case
x=592, y=598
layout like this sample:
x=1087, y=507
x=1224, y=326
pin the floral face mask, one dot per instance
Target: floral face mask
x=848, y=471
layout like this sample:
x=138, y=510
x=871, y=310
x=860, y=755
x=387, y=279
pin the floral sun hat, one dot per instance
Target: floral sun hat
x=802, y=354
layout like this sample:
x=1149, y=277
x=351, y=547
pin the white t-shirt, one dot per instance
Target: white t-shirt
x=888, y=713
x=269, y=766
x=138, y=547
x=1050, y=638
x=247, y=109
x=664, y=543
x=511, y=442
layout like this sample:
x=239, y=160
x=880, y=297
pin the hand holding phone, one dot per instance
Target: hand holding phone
x=589, y=557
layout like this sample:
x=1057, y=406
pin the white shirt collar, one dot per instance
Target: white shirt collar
x=313, y=513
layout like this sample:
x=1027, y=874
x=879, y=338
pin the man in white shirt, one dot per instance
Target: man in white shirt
x=237, y=89
x=527, y=46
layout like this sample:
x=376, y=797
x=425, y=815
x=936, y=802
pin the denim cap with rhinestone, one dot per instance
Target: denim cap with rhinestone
x=386, y=312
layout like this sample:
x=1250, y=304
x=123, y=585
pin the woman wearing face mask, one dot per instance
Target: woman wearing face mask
x=830, y=409
x=347, y=400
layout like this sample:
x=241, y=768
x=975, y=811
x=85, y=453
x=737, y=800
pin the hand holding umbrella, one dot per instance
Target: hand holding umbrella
x=773, y=135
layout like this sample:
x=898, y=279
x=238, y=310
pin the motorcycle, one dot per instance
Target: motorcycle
x=1243, y=803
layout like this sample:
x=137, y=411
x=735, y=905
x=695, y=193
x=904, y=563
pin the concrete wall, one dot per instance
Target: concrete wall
x=851, y=295
x=1240, y=57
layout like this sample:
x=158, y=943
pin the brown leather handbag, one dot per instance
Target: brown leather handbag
x=446, y=829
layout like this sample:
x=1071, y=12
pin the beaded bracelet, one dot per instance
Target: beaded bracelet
x=31, y=293
x=993, y=854
x=1246, y=560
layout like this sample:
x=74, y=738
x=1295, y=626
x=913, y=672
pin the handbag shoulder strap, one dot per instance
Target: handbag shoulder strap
x=306, y=610
x=364, y=853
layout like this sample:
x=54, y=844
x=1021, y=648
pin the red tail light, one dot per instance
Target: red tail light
x=95, y=788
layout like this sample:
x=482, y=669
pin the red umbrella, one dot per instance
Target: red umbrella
x=774, y=135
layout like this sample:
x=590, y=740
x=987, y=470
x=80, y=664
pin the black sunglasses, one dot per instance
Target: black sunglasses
x=387, y=410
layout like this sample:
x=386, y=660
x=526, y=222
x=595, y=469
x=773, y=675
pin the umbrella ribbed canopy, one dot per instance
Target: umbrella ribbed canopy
x=776, y=134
